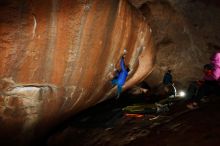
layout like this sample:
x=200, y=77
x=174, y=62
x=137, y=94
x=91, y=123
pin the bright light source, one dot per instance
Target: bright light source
x=182, y=94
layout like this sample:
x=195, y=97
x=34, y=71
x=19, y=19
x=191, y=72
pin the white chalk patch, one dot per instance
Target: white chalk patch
x=35, y=26
x=29, y=92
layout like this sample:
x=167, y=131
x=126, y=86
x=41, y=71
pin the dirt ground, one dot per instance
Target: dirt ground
x=200, y=127
x=107, y=125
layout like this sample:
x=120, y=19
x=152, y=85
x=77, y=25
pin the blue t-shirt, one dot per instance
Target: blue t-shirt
x=167, y=79
x=123, y=74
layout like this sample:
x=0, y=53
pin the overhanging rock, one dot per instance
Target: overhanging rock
x=56, y=59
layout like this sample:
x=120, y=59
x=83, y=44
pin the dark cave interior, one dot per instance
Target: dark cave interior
x=58, y=58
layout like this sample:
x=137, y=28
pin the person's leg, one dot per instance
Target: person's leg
x=216, y=88
x=119, y=91
x=203, y=91
x=191, y=95
x=173, y=90
x=217, y=91
x=192, y=91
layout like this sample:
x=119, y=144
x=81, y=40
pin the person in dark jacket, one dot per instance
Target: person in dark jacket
x=121, y=76
x=168, y=83
x=168, y=78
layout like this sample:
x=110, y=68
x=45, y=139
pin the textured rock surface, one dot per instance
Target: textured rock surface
x=186, y=33
x=56, y=57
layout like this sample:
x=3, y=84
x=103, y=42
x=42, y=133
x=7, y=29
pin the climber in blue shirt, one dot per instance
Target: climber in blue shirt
x=121, y=76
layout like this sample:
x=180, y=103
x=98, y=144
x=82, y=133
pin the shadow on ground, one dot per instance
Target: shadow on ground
x=106, y=124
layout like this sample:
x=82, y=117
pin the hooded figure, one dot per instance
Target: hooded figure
x=215, y=61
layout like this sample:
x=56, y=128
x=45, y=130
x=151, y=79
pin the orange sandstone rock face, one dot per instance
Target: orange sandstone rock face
x=56, y=57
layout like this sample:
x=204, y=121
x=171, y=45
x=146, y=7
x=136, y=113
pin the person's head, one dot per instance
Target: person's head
x=207, y=68
x=169, y=70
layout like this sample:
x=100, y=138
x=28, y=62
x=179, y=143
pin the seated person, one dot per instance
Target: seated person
x=206, y=86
